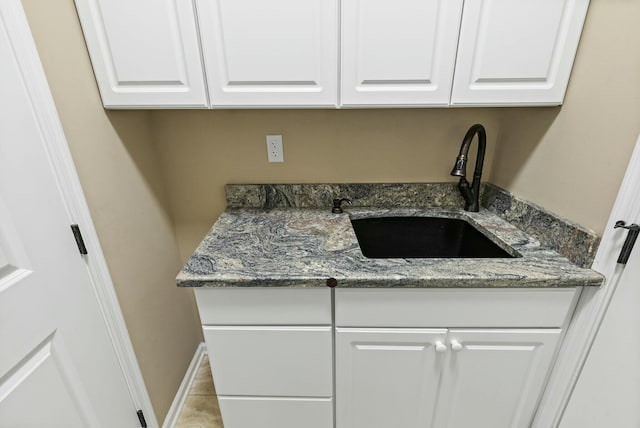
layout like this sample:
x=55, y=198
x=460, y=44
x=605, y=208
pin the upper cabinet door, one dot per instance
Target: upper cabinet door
x=517, y=52
x=399, y=52
x=275, y=53
x=145, y=53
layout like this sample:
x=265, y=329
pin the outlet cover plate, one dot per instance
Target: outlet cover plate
x=274, y=148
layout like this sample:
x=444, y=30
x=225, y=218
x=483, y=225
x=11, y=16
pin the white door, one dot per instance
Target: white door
x=516, y=52
x=608, y=390
x=398, y=52
x=596, y=378
x=493, y=378
x=145, y=53
x=58, y=367
x=275, y=53
x=387, y=377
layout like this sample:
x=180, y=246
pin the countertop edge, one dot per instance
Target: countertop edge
x=593, y=281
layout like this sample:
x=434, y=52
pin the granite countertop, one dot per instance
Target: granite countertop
x=304, y=247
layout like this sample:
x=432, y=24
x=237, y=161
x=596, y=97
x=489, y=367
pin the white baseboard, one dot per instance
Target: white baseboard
x=178, y=401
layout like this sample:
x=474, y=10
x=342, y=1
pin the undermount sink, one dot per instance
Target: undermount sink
x=423, y=237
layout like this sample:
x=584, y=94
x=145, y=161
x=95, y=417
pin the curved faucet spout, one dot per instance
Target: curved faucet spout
x=471, y=193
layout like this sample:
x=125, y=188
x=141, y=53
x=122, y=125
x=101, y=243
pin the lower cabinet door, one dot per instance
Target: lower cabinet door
x=494, y=378
x=271, y=361
x=387, y=377
x=273, y=412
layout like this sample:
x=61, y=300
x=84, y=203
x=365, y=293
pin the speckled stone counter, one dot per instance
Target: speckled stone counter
x=304, y=247
x=570, y=240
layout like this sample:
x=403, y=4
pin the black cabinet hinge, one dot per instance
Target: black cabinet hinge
x=76, y=234
x=143, y=422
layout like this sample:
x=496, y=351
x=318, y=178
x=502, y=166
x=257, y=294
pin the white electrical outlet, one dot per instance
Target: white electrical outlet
x=274, y=148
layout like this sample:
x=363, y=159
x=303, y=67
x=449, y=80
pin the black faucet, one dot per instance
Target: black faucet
x=471, y=194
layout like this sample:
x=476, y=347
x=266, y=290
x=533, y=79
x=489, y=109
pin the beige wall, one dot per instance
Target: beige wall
x=571, y=160
x=201, y=151
x=119, y=172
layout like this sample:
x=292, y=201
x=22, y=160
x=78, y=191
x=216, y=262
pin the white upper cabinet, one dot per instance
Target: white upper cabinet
x=270, y=53
x=516, y=52
x=399, y=52
x=145, y=53
x=331, y=53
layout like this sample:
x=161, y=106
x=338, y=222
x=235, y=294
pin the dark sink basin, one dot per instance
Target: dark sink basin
x=423, y=237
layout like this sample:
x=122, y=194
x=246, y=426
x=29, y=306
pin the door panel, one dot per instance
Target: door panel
x=41, y=380
x=277, y=53
x=399, y=52
x=387, y=377
x=530, y=66
x=496, y=378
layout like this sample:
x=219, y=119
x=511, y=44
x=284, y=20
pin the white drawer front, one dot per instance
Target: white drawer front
x=268, y=412
x=271, y=361
x=454, y=307
x=264, y=306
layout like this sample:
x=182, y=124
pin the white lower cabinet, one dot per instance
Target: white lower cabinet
x=271, y=355
x=487, y=378
x=421, y=358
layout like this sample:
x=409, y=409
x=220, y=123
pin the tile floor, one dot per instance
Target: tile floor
x=201, y=406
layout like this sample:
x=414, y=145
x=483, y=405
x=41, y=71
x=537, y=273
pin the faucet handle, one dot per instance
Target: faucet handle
x=337, y=205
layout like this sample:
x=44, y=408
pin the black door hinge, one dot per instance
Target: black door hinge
x=76, y=234
x=633, y=230
x=143, y=422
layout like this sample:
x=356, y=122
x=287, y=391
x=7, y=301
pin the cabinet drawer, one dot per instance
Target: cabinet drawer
x=244, y=412
x=271, y=361
x=454, y=308
x=264, y=306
